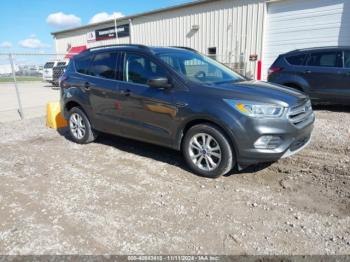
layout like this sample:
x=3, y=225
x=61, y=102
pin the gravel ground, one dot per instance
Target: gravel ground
x=118, y=196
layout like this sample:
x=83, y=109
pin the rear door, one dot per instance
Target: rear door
x=103, y=88
x=322, y=74
x=147, y=112
x=97, y=77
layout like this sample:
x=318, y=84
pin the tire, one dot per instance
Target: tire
x=219, y=150
x=77, y=122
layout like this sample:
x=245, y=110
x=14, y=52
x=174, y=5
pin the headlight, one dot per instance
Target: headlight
x=257, y=110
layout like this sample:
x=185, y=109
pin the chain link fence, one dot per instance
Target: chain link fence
x=27, y=83
x=29, y=80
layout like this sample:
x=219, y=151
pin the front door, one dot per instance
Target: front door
x=322, y=73
x=148, y=113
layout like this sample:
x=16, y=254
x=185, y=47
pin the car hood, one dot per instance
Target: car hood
x=259, y=91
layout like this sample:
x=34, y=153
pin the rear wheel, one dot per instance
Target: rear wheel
x=207, y=151
x=80, y=127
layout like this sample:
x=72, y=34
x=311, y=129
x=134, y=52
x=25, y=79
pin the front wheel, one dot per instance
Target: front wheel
x=80, y=128
x=207, y=151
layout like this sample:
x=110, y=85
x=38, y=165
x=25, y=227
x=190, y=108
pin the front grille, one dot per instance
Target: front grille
x=57, y=72
x=300, y=114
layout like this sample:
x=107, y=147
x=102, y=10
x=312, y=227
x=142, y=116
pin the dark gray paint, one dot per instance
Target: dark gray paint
x=161, y=116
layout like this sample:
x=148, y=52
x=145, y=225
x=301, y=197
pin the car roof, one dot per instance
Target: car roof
x=322, y=48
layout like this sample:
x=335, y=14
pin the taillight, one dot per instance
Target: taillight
x=273, y=70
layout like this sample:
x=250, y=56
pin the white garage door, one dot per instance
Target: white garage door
x=294, y=24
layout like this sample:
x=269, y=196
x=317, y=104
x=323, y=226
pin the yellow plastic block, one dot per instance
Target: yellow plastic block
x=54, y=117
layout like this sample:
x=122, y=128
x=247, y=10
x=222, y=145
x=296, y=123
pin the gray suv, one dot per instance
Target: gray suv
x=178, y=98
x=323, y=73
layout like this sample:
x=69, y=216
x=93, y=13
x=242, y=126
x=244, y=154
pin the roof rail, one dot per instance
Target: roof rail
x=185, y=47
x=318, y=48
x=117, y=45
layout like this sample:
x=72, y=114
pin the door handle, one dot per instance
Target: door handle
x=307, y=72
x=125, y=92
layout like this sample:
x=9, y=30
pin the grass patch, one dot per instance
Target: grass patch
x=20, y=79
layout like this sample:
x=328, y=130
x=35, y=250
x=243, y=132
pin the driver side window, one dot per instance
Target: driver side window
x=139, y=69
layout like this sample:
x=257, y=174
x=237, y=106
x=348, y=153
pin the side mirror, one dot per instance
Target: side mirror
x=159, y=82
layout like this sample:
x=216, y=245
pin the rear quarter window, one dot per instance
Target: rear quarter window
x=296, y=59
x=82, y=64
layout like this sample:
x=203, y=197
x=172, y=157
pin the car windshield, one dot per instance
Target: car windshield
x=199, y=68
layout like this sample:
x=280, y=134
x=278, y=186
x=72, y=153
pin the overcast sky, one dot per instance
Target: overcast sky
x=25, y=25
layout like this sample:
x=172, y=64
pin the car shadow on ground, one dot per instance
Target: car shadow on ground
x=158, y=153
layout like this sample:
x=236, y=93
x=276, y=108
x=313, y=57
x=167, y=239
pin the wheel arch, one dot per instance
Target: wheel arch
x=74, y=103
x=296, y=82
x=69, y=105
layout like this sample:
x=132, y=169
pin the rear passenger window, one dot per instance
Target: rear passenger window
x=82, y=64
x=347, y=59
x=297, y=59
x=325, y=59
x=104, y=65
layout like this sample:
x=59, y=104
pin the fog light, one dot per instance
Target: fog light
x=268, y=142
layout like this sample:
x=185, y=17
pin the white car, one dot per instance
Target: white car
x=48, y=70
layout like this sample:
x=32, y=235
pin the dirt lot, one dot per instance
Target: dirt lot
x=117, y=196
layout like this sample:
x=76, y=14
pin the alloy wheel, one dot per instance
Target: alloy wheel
x=205, y=152
x=77, y=126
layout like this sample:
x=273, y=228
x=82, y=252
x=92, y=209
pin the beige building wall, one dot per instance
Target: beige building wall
x=234, y=27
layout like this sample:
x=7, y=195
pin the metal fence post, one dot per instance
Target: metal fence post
x=20, y=109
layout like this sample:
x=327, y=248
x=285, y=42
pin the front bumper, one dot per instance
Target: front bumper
x=293, y=140
x=297, y=146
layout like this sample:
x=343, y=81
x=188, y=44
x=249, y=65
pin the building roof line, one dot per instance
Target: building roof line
x=171, y=8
